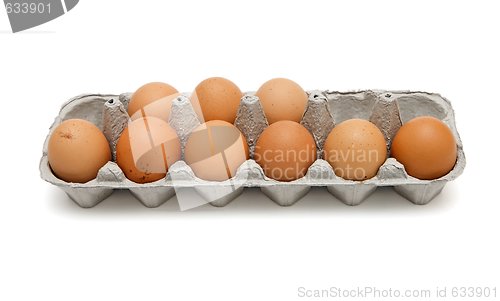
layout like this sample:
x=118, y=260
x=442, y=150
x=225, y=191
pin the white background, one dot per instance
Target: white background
x=50, y=249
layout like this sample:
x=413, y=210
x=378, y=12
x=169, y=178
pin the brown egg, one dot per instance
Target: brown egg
x=216, y=98
x=147, y=95
x=77, y=150
x=355, y=149
x=426, y=147
x=160, y=108
x=215, y=150
x=285, y=150
x=282, y=99
x=146, y=149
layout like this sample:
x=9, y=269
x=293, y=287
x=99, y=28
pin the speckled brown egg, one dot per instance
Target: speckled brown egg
x=285, y=150
x=355, y=149
x=216, y=98
x=152, y=99
x=282, y=99
x=77, y=149
x=215, y=150
x=426, y=147
x=146, y=149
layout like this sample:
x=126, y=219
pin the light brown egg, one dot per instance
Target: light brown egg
x=355, y=149
x=282, y=99
x=160, y=108
x=77, y=150
x=426, y=147
x=152, y=99
x=215, y=150
x=216, y=98
x=285, y=150
x=146, y=149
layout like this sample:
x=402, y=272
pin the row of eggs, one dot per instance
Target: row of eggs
x=285, y=150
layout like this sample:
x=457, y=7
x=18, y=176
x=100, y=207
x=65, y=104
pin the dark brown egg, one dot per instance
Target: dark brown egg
x=426, y=147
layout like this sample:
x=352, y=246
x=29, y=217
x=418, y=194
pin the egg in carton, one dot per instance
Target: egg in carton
x=388, y=110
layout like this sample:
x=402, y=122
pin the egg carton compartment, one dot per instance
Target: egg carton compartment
x=388, y=110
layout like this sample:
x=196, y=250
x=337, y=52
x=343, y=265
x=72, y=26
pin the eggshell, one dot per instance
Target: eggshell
x=147, y=95
x=285, y=150
x=282, y=99
x=160, y=108
x=426, y=147
x=355, y=149
x=215, y=150
x=216, y=98
x=77, y=150
x=146, y=148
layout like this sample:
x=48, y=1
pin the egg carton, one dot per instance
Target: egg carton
x=386, y=109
